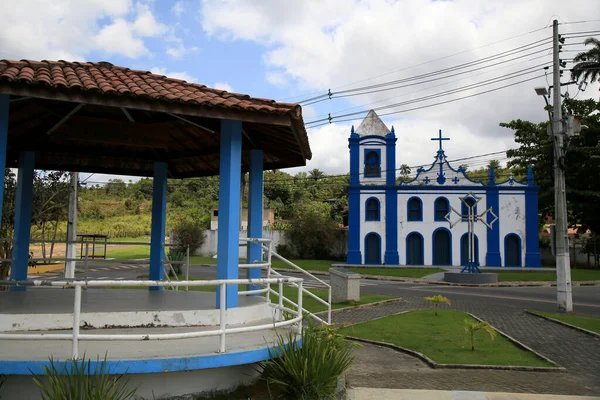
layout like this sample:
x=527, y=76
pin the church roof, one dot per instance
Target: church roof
x=372, y=125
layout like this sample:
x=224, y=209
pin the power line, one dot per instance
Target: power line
x=438, y=103
x=476, y=85
x=345, y=93
x=426, y=62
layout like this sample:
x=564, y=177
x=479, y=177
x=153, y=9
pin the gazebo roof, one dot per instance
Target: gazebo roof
x=97, y=117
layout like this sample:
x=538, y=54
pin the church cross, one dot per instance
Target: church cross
x=440, y=139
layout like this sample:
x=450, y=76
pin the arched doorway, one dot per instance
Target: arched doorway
x=414, y=249
x=512, y=250
x=442, y=247
x=464, y=249
x=372, y=249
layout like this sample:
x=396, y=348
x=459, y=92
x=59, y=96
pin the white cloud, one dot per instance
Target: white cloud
x=145, y=24
x=277, y=78
x=178, y=9
x=171, y=74
x=71, y=30
x=319, y=44
x=179, y=50
x=118, y=38
x=223, y=86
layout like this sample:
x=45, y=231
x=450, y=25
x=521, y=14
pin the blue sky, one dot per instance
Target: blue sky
x=288, y=49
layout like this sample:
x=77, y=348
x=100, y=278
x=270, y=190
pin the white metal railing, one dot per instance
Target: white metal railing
x=270, y=253
x=75, y=336
x=88, y=261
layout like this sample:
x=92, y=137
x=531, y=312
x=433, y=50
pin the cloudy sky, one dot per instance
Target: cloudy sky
x=298, y=49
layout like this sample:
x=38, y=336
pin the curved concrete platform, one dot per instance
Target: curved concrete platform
x=163, y=368
x=457, y=277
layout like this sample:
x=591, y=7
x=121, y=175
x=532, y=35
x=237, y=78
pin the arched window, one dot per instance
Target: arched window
x=465, y=210
x=372, y=208
x=415, y=209
x=441, y=209
x=372, y=164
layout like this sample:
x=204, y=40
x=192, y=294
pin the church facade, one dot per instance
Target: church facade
x=406, y=223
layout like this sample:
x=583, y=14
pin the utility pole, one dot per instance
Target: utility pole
x=72, y=227
x=563, y=264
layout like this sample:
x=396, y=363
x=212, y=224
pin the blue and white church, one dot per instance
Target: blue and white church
x=405, y=223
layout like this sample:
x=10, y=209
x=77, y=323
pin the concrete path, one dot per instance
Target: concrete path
x=403, y=394
x=378, y=367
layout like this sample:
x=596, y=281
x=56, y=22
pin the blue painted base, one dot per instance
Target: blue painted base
x=354, y=257
x=533, y=260
x=391, y=258
x=471, y=268
x=493, y=260
x=117, y=367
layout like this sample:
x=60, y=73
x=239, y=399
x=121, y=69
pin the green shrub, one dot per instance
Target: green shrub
x=313, y=232
x=309, y=371
x=177, y=256
x=187, y=233
x=284, y=251
x=69, y=381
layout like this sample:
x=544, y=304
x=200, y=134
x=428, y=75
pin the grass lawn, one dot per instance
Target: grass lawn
x=591, y=324
x=576, y=275
x=443, y=339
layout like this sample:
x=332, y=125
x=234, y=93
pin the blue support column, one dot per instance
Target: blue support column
x=23, y=204
x=391, y=256
x=354, y=254
x=4, y=108
x=229, y=208
x=159, y=220
x=255, y=213
x=532, y=235
x=492, y=257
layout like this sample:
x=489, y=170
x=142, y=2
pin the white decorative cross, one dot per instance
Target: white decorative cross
x=471, y=219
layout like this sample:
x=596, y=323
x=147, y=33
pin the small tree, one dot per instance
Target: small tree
x=313, y=232
x=475, y=326
x=437, y=300
x=188, y=233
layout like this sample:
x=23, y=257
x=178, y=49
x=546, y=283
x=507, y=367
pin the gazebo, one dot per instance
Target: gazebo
x=97, y=117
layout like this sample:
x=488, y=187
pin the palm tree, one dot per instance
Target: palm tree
x=316, y=174
x=476, y=326
x=588, y=62
x=437, y=300
x=404, y=171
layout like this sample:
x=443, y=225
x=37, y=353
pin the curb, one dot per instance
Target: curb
x=435, y=365
x=432, y=282
x=360, y=306
x=591, y=333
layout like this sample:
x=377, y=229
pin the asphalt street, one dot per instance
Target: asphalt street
x=586, y=299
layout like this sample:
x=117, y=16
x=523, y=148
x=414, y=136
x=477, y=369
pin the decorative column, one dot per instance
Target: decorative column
x=4, y=109
x=532, y=235
x=229, y=208
x=354, y=255
x=255, y=214
x=159, y=220
x=492, y=198
x=23, y=205
x=391, y=256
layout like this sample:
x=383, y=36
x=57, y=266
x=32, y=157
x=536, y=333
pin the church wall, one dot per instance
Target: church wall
x=367, y=227
x=428, y=225
x=512, y=215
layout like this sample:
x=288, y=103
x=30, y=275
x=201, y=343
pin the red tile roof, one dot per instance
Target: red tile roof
x=105, y=78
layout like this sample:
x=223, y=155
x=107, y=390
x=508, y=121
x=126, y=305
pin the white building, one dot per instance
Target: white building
x=405, y=224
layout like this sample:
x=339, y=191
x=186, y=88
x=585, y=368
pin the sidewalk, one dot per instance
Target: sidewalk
x=406, y=394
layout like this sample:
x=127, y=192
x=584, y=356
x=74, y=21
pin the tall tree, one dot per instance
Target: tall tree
x=581, y=165
x=588, y=62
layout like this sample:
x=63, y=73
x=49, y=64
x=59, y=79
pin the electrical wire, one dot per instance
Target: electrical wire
x=433, y=104
x=476, y=85
x=508, y=53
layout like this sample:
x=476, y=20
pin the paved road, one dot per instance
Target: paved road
x=586, y=298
